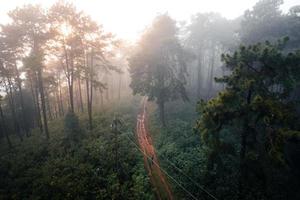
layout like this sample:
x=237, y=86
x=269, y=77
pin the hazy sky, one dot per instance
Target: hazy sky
x=127, y=18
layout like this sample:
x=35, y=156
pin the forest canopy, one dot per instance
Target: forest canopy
x=202, y=108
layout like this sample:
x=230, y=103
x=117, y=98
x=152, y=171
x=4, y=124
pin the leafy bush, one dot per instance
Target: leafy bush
x=86, y=169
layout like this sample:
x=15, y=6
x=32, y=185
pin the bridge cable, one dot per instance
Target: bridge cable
x=182, y=187
x=192, y=180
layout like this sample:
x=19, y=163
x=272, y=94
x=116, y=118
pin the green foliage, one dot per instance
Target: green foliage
x=72, y=128
x=259, y=109
x=39, y=169
x=267, y=22
x=179, y=144
x=207, y=28
x=158, y=68
x=154, y=66
x=263, y=22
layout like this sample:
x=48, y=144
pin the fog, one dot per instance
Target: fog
x=150, y=99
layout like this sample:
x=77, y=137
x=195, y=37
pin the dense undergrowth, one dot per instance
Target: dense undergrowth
x=197, y=167
x=177, y=145
x=80, y=164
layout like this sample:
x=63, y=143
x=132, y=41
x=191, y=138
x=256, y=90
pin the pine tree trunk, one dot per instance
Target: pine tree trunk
x=61, y=105
x=12, y=108
x=22, y=102
x=3, y=127
x=56, y=105
x=42, y=95
x=48, y=105
x=80, y=95
x=199, y=77
x=88, y=94
x=70, y=73
x=211, y=73
x=91, y=94
x=38, y=106
x=87, y=84
x=72, y=86
x=35, y=100
x=71, y=96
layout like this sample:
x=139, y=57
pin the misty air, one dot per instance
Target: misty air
x=146, y=100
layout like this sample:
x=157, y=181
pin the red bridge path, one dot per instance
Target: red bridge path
x=157, y=177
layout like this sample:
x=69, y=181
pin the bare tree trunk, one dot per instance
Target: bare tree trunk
x=3, y=127
x=12, y=107
x=36, y=123
x=48, y=105
x=19, y=83
x=35, y=99
x=77, y=99
x=61, y=105
x=41, y=89
x=72, y=86
x=199, y=77
x=211, y=74
x=39, y=106
x=69, y=74
x=87, y=84
x=89, y=106
x=80, y=95
x=71, y=95
x=59, y=112
x=56, y=105
x=90, y=102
